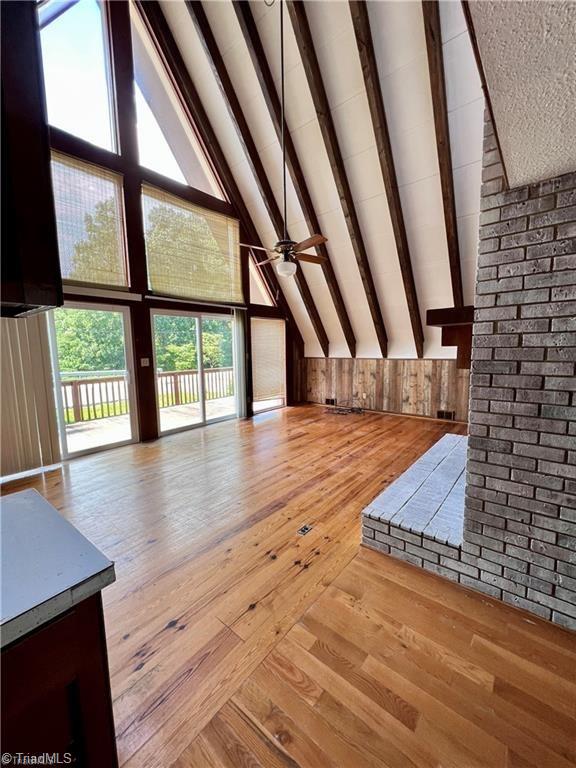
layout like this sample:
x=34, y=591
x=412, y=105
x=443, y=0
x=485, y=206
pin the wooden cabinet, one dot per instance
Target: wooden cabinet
x=31, y=277
x=56, y=690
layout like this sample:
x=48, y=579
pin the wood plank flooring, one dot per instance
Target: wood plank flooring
x=392, y=666
x=235, y=642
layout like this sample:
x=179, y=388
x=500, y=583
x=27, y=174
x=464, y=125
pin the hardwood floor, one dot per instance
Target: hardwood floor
x=394, y=667
x=235, y=642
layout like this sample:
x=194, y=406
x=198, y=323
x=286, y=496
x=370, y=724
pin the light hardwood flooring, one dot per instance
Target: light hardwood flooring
x=235, y=642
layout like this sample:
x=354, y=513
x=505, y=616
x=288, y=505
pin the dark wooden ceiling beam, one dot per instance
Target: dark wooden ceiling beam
x=361, y=22
x=431, y=12
x=198, y=16
x=178, y=74
x=266, y=80
x=316, y=85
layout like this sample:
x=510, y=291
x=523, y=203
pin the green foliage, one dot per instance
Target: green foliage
x=89, y=340
x=175, y=343
x=98, y=253
x=170, y=232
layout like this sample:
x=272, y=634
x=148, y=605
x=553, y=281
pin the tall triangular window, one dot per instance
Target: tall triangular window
x=76, y=65
x=167, y=143
x=153, y=149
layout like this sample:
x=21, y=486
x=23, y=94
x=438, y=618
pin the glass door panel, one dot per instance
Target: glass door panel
x=218, y=364
x=178, y=376
x=93, y=377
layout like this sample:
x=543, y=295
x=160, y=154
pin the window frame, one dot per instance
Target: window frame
x=124, y=160
x=54, y=156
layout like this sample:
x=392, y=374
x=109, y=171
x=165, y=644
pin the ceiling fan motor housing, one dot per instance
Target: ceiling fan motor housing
x=284, y=246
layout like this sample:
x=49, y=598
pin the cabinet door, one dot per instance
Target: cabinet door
x=56, y=690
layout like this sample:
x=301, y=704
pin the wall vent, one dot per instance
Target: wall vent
x=446, y=415
x=330, y=401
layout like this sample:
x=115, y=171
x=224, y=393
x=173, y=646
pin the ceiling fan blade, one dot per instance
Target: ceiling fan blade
x=266, y=261
x=256, y=248
x=311, y=257
x=310, y=242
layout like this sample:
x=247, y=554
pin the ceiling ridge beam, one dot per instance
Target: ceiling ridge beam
x=361, y=23
x=431, y=14
x=202, y=25
x=324, y=116
x=176, y=70
x=266, y=80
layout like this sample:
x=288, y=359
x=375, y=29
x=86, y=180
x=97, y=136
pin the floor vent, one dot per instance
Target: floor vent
x=446, y=415
x=304, y=530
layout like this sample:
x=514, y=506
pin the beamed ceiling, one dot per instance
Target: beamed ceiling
x=368, y=155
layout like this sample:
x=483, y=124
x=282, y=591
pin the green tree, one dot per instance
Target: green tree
x=89, y=340
x=171, y=233
x=94, y=340
x=99, y=254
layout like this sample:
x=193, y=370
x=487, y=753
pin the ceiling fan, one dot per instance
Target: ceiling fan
x=286, y=253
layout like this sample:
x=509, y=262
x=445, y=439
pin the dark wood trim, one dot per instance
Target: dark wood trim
x=176, y=70
x=202, y=25
x=266, y=80
x=160, y=302
x=120, y=46
x=67, y=144
x=248, y=379
x=262, y=310
x=459, y=336
x=315, y=83
x=431, y=13
x=456, y=324
x=361, y=23
x=450, y=316
x=483, y=81
x=125, y=109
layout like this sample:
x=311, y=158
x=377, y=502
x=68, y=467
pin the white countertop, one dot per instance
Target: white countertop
x=47, y=565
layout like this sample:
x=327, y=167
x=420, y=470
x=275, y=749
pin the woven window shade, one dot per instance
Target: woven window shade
x=90, y=222
x=192, y=253
x=268, y=359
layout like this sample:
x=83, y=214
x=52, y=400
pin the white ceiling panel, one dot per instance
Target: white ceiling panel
x=400, y=49
x=466, y=126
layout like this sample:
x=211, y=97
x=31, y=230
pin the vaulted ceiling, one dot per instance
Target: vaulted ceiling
x=366, y=181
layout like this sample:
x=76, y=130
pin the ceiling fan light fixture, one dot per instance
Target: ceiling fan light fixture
x=286, y=268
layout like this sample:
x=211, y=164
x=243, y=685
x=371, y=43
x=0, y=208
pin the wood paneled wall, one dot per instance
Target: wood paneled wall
x=418, y=387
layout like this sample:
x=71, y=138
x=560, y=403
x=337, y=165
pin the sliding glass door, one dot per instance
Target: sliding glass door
x=195, y=369
x=218, y=367
x=93, y=366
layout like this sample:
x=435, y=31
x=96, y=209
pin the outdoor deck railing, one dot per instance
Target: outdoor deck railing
x=86, y=399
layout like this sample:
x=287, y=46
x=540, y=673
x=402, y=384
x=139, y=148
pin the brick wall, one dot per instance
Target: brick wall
x=520, y=514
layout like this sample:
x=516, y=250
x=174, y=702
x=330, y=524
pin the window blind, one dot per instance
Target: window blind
x=27, y=408
x=268, y=359
x=90, y=222
x=192, y=253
